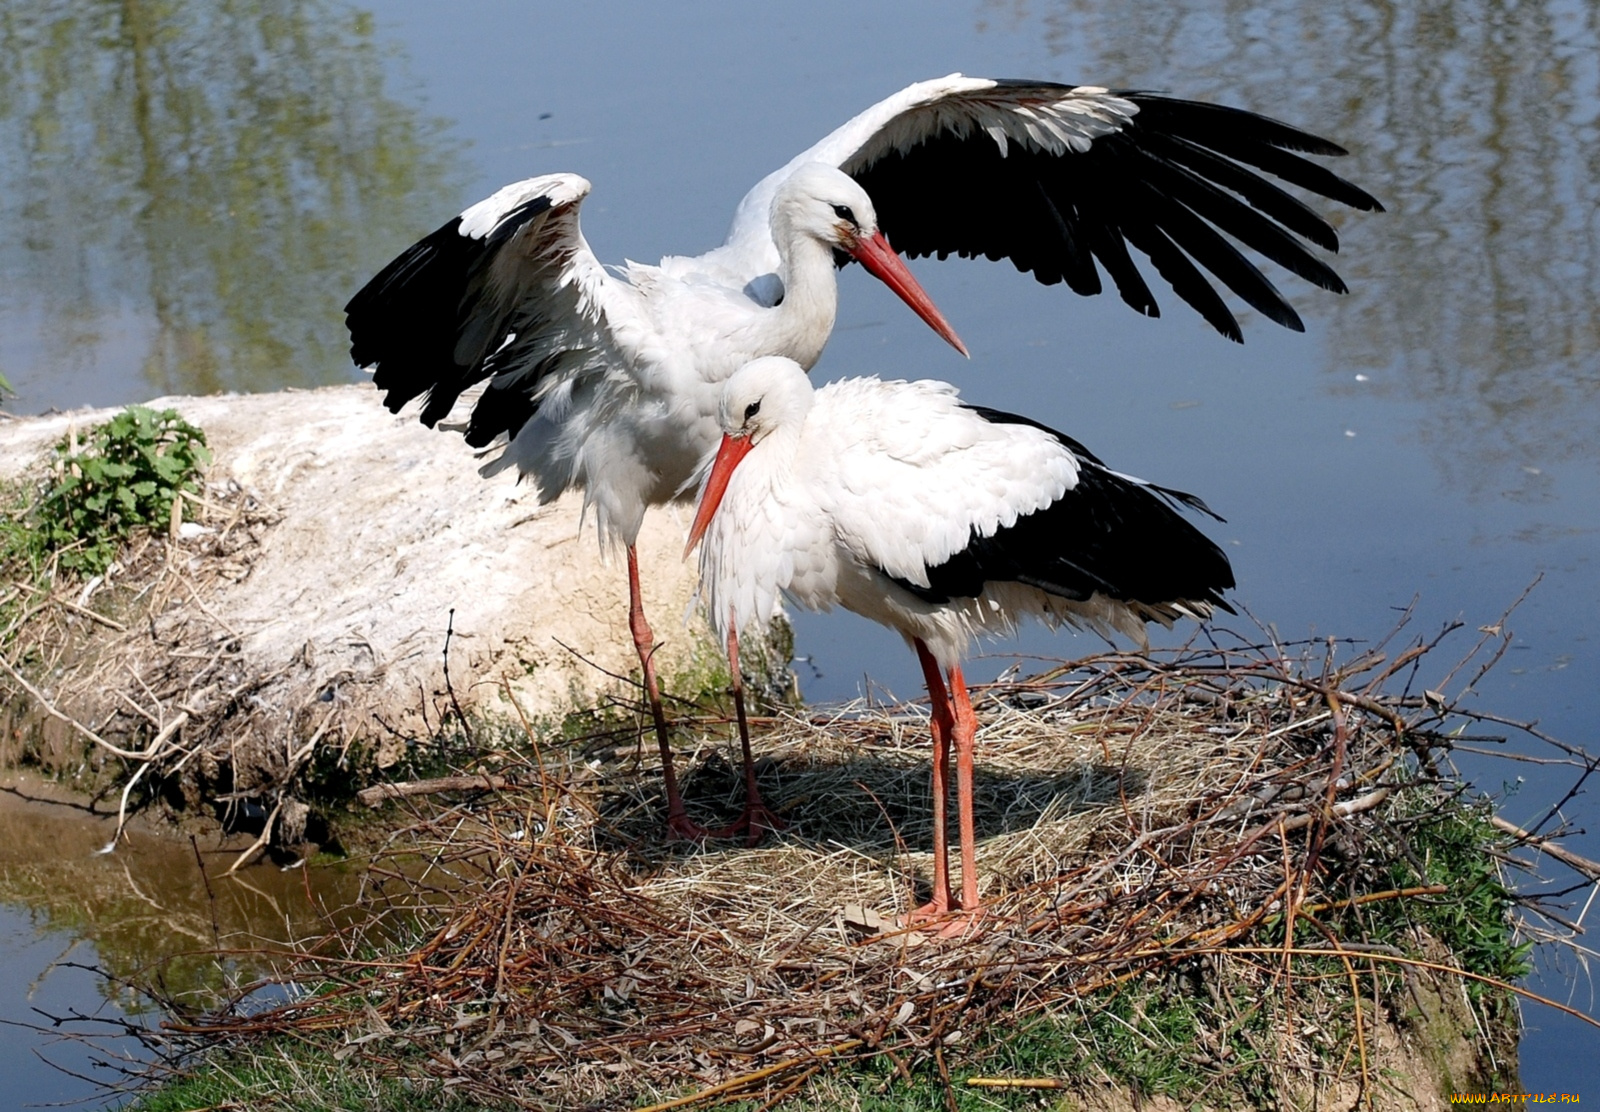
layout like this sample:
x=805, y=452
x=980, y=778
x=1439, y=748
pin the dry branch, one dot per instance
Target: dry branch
x=1544, y=844
x=379, y=794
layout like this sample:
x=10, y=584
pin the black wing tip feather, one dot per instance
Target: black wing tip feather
x=405, y=323
x=501, y=410
x=1253, y=211
x=1184, y=277
x=1235, y=131
x=399, y=271
x=1208, y=247
x=1184, y=498
x=1110, y=534
x=392, y=401
x=1265, y=128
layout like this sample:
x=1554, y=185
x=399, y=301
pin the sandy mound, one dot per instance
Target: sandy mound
x=309, y=594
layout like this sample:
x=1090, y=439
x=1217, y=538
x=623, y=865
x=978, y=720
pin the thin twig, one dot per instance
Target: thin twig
x=1546, y=844
x=449, y=632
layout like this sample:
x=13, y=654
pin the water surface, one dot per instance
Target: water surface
x=187, y=198
x=77, y=926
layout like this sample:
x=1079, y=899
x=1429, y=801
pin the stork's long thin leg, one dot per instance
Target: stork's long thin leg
x=965, y=734
x=679, y=824
x=756, y=819
x=942, y=720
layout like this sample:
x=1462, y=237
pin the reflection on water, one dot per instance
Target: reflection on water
x=1475, y=122
x=44, y=973
x=189, y=191
x=146, y=914
x=149, y=907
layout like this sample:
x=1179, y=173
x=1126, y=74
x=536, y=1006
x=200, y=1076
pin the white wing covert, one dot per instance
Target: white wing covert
x=928, y=476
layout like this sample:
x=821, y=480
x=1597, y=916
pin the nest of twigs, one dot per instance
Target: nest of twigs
x=1230, y=816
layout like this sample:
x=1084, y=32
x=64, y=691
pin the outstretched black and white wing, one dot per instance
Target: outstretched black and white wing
x=1064, y=180
x=507, y=292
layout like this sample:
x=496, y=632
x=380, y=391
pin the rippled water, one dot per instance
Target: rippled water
x=146, y=910
x=188, y=196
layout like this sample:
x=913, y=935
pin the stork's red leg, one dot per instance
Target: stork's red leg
x=755, y=820
x=940, y=725
x=679, y=824
x=965, y=735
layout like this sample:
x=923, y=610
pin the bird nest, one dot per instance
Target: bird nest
x=1240, y=826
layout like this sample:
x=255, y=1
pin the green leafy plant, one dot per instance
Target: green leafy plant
x=120, y=476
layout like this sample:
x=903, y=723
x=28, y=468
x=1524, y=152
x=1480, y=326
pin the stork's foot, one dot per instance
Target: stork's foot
x=754, y=822
x=682, y=828
x=950, y=921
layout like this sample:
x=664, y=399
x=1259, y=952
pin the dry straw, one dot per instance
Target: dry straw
x=1215, y=811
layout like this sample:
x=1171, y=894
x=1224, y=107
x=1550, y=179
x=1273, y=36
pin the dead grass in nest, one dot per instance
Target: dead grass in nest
x=211, y=538
x=1215, y=814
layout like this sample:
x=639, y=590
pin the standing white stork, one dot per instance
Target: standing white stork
x=609, y=381
x=940, y=520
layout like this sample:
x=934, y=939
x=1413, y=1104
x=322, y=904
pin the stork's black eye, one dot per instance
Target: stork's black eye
x=752, y=409
x=843, y=213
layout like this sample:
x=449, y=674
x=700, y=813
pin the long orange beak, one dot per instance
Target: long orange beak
x=733, y=449
x=880, y=260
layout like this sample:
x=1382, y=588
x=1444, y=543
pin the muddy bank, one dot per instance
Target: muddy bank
x=298, y=612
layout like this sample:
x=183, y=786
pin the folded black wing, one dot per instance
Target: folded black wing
x=1110, y=534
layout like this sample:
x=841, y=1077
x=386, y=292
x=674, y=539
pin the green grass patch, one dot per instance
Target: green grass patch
x=1454, y=847
x=67, y=521
x=291, y=1078
x=1161, y=1036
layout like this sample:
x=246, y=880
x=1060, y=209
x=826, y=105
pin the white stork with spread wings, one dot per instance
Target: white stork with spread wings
x=608, y=380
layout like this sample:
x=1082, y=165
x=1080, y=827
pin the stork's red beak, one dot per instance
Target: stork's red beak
x=879, y=258
x=734, y=449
